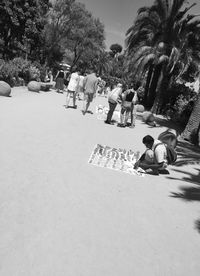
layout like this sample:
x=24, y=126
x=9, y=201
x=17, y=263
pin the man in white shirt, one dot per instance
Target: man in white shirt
x=80, y=87
x=155, y=157
x=72, y=88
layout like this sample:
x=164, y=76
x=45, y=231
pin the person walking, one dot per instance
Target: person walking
x=80, y=87
x=60, y=81
x=72, y=88
x=90, y=88
x=113, y=98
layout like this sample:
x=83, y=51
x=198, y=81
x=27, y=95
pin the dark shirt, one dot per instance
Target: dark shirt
x=129, y=95
x=61, y=74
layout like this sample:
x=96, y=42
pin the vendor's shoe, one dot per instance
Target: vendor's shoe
x=152, y=172
x=132, y=126
x=164, y=171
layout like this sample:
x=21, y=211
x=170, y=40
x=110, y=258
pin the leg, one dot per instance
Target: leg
x=67, y=98
x=122, y=113
x=127, y=114
x=74, y=99
x=133, y=116
x=112, y=107
x=86, y=103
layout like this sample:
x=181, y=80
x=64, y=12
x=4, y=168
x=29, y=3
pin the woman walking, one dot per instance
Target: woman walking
x=60, y=81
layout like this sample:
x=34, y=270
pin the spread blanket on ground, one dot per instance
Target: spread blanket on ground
x=102, y=112
x=116, y=159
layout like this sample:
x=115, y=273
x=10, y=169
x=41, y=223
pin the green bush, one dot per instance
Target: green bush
x=17, y=71
x=178, y=103
x=23, y=68
x=183, y=108
x=42, y=69
x=8, y=72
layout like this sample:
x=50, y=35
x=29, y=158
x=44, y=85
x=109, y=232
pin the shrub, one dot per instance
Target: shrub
x=183, y=108
x=19, y=69
x=179, y=103
x=23, y=68
x=34, y=73
x=8, y=72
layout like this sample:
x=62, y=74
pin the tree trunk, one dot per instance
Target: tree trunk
x=149, y=76
x=157, y=102
x=162, y=87
x=192, y=128
x=153, y=85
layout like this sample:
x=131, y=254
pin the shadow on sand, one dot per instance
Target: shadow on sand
x=187, y=154
x=190, y=193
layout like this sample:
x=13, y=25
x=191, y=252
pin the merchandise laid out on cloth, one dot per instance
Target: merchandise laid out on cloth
x=116, y=159
x=102, y=112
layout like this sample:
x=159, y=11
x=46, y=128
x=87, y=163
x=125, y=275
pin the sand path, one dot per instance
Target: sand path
x=60, y=216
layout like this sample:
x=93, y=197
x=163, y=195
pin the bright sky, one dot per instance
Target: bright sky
x=118, y=15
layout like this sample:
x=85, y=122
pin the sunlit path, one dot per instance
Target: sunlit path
x=61, y=216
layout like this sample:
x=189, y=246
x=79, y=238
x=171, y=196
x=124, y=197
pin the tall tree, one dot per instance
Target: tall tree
x=21, y=25
x=160, y=42
x=86, y=33
x=72, y=29
x=57, y=30
x=192, y=129
x=116, y=49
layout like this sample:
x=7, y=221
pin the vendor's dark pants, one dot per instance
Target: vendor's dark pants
x=112, y=107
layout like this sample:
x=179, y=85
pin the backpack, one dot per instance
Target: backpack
x=169, y=138
x=171, y=154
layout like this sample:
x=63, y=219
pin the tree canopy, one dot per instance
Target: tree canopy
x=21, y=25
x=164, y=40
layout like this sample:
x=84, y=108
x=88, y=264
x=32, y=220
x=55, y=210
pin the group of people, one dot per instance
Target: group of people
x=78, y=86
x=128, y=99
x=88, y=85
x=155, y=158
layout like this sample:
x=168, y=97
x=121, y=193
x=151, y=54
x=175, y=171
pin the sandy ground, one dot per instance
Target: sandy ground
x=61, y=216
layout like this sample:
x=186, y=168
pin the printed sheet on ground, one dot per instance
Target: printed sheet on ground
x=102, y=112
x=116, y=159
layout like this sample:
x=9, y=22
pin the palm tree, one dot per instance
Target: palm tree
x=160, y=42
x=192, y=129
x=103, y=63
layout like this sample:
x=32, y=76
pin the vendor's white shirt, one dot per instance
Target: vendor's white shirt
x=160, y=152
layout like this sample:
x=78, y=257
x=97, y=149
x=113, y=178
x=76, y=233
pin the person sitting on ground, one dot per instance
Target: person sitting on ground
x=128, y=107
x=113, y=98
x=72, y=88
x=154, y=159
